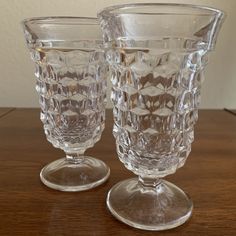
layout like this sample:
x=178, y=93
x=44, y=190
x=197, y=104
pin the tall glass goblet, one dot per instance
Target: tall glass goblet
x=157, y=53
x=71, y=82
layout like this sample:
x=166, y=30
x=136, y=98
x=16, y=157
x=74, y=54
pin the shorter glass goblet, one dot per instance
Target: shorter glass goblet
x=71, y=76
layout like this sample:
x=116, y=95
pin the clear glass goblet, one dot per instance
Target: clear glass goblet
x=71, y=76
x=157, y=54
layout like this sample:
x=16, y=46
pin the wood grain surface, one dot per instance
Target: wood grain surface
x=27, y=207
x=5, y=111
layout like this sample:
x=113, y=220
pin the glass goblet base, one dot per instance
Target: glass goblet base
x=162, y=207
x=67, y=176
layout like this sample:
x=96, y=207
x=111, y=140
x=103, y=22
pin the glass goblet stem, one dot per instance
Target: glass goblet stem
x=75, y=157
x=149, y=182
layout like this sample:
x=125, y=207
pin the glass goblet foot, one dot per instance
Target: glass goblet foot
x=149, y=204
x=71, y=175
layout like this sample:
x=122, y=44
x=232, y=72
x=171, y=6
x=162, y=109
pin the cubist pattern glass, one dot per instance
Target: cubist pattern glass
x=157, y=55
x=71, y=82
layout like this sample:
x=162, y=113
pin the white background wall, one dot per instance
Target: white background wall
x=16, y=69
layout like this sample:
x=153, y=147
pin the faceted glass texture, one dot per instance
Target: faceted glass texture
x=156, y=97
x=72, y=89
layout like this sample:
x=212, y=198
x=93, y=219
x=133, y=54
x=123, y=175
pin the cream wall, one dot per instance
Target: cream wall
x=17, y=80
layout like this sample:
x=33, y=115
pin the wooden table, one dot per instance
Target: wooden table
x=27, y=207
x=5, y=111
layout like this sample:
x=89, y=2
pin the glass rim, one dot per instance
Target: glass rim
x=61, y=20
x=107, y=11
